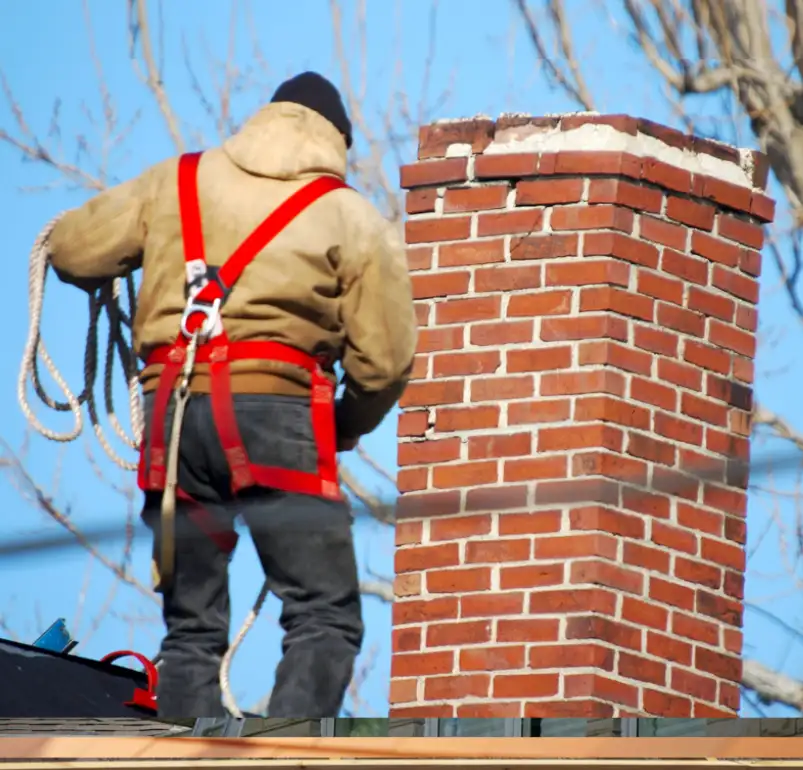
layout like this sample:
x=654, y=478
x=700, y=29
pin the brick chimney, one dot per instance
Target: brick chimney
x=586, y=289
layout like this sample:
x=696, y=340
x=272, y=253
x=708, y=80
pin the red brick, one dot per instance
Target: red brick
x=642, y=669
x=662, y=704
x=500, y=388
x=539, y=359
x=489, y=710
x=603, y=491
x=454, y=634
x=715, y=249
x=507, y=278
x=740, y=286
x=424, y=611
x=646, y=557
x=491, y=658
x=419, y=257
x=456, y=687
x=562, y=656
x=550, y=246
x=707, y=357
x=454, y=364
x=666, y=175
x=413, y=423
x=437, y=229
x=625, y=193
x=449, y=581
x=724, y=193
x=677, y=429
x=665, y=233
x=620, y=246
x=525, y=685
x=535, y=468
x=597, y=686
x=650, y=392
x=505, y=166
x=596, y=517
x=459, y=527
x=746, y=318
x=689, y=377
x=711, y=304
x=427, y=556
x=606, y=574
x=644, y=502
x=612, y=466
x=531, y=576
x=457, y=475
x=723, y=553
x=437, y=172
x=548, y=192
x=660, y=287
x=668, y=648
x=471, y=253
x=528, y=630
x=541, y=410
x=491, y=604
x=577, y=383
x=671, y=593
x=694, y=628
x=501, y=333
x=421, y=663
x=579, y=437
x=674, y=538
x=584, y=327
x=640, y=613
x=615, y=355
x=719, y=665
x=762, y=207
x=656, y=340
x=719, y=607
x=563, y=601
x=683, y=266
x=433, y=140
x=412, y=479
x=685, y=321
x=466, y=418
x=449, y=338
x=703, y=409
x=585, y=162
x=694, y=517
x=582, y=545
x=690, y=213
x=588, y=272
x=499, y=445
x=617, y=301
x=495, y=551
x=738, y=230
x=697, y=572
x=475, y=198
x=541, y=522
x=421, y=201
x=540, y=303
x=592, y=218
x=429, y=451
x=467, y=310
x=406, y=640
x=522, y=221
x=750, y=262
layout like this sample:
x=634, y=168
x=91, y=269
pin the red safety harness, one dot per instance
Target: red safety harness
x=208, y=291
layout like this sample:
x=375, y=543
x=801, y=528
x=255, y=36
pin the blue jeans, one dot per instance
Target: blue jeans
x=306, y=549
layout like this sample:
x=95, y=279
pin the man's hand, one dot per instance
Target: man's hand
x=347, y=444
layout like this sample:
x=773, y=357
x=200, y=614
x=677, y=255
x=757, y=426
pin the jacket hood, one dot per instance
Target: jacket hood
x=288, y=141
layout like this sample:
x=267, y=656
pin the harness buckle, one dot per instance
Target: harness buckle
x=210, y=312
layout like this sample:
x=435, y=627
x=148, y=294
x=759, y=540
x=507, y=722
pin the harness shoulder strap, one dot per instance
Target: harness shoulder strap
x=271, y=226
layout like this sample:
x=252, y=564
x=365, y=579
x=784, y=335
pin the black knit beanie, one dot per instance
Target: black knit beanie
x=315, y=92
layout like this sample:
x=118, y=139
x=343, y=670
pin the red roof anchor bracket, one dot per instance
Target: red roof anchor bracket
x=145, y=699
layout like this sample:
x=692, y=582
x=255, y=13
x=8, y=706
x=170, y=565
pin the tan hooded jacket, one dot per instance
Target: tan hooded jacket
x=335, y=281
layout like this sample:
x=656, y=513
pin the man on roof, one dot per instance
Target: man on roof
x=239, y=356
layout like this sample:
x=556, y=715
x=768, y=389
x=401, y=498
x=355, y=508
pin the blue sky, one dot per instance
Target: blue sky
x=487, y=67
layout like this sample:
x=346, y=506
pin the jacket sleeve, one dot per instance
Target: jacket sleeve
x=104, y=238
x=380, y=324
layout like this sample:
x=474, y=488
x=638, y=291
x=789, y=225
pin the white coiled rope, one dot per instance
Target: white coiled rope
x=120, y=342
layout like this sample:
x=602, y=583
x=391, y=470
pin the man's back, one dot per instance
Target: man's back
x=335, y=281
